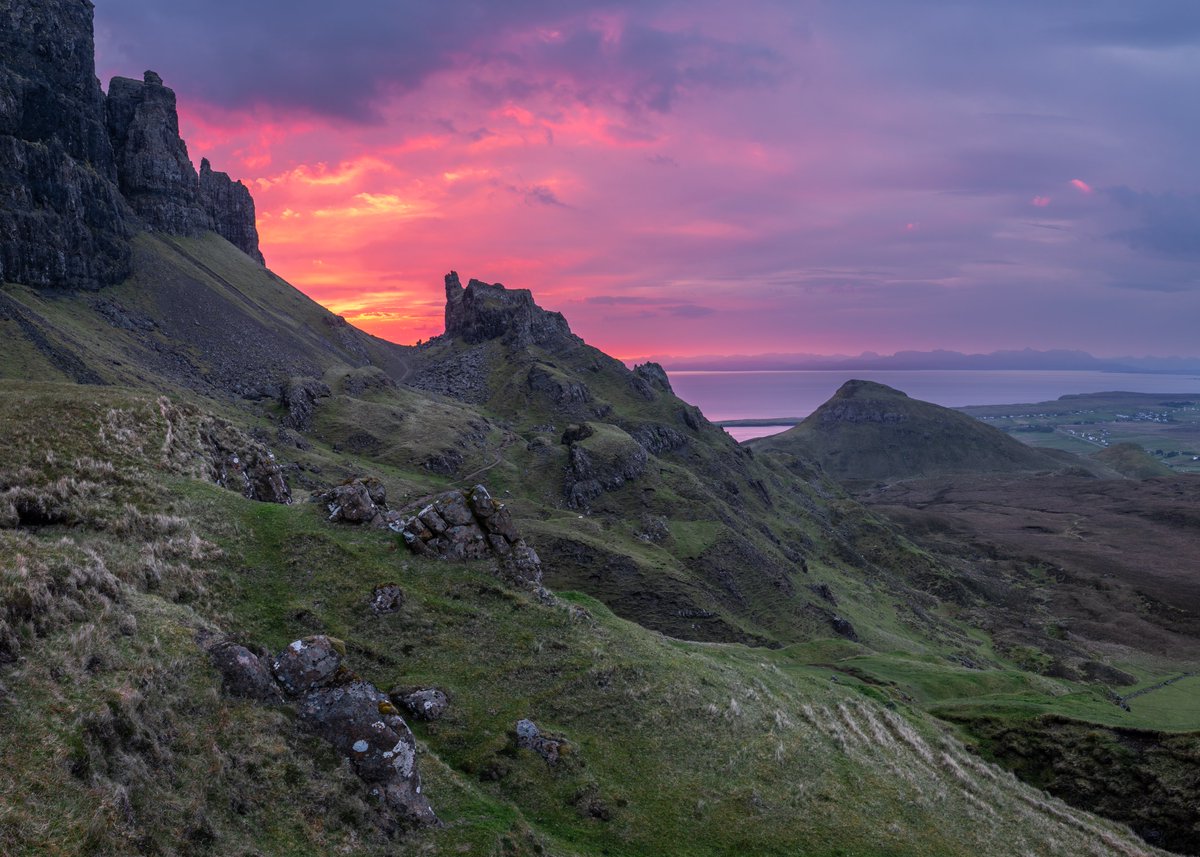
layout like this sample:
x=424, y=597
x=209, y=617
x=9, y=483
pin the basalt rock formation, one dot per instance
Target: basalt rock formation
x=63, y=221
x=157, y=177
x=483, y=311
x=463, y=525
x=338, y=706
x=155, y=174
x=231, y=208
x=82, y=172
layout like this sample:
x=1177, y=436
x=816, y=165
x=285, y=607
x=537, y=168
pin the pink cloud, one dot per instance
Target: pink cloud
x=1081, y=185
x=1040, y=201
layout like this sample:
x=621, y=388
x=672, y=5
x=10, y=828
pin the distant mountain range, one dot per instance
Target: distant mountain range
x=1028, y=358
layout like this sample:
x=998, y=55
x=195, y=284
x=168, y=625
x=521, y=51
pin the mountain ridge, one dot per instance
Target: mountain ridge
x=211, y=490
x=83, y=172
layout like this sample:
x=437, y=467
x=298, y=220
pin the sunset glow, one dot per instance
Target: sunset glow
x=687, y=180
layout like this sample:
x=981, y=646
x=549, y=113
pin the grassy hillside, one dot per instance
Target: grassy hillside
x=869, y=432
x=196, y=315
x=753, y=643
x=117, y=737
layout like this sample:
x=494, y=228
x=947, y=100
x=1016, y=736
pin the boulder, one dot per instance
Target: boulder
x=466, y=542
x=339, y=707
x=501, y=523
x=387, y=598
x=425, y=703
x=481, y=502
x=431, y=519
x=244, y=673
x=308, y=663
x=529, y=737
x=358, y=501
x=363, y=724
x=523, y=565
x=453, y=508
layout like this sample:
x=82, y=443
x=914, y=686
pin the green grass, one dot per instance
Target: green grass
x=685, y=748
x=1119, y=417
x=807, y=745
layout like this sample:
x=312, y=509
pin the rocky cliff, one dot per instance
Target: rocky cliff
x=156, y=176
x=81, y=172
x=484, y=311
x=231, y=208
x=62, y=219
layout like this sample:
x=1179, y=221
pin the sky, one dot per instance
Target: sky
x=686, y=178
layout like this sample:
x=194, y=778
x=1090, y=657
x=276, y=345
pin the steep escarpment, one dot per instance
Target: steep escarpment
x=156, y=176
x=82, y=172
x=63, y=221
x=231, y=208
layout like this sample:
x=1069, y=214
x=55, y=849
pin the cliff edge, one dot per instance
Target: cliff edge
x=81, y=172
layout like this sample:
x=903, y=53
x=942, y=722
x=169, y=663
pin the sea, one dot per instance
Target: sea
x=739, y=395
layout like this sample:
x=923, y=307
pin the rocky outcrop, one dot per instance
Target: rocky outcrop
x=155, y=174
x=63, y=222
x=657, y=438
x=338, y=706
x=231, y=208
x=454, y=525
x=423, y=703
x=244, y=673
x=81, y=172
x=557, y=390
x=602, y=461
x=482, y=311
x=466, y=525
x=299, y=398
x=250, y=469
x=654, y=376
x=529, y=737
x=203, y=446
x=358, y=501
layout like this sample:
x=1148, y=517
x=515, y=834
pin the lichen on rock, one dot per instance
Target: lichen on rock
x=338, y=706
x=470, y=525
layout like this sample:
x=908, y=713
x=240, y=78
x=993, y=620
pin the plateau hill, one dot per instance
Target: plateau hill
x=869, y=431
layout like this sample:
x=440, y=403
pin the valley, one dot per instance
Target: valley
x=1166, y=426
x=272, y=585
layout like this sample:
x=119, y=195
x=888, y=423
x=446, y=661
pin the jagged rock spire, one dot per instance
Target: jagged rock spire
x=483, y=311
x=81, y=172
